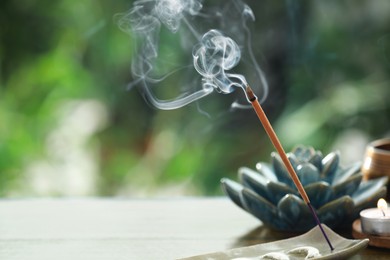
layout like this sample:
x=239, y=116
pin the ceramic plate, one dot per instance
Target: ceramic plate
x=310, y=245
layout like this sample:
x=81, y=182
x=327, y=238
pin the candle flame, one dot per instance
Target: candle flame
x=382, y=204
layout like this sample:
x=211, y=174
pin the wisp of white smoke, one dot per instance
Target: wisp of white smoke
x=214, y=54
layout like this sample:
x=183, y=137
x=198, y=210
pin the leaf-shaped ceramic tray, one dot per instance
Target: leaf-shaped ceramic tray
x=310, y=245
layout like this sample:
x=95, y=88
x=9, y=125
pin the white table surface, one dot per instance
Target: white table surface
x=117, y=228
x=130, y=229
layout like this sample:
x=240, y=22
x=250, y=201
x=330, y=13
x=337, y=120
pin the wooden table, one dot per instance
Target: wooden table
x=130, y=229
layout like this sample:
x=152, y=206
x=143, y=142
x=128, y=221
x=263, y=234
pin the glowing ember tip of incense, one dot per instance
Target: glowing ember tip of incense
x=249, y=93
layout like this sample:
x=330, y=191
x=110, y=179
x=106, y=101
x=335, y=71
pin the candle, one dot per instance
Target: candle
x=376, y=221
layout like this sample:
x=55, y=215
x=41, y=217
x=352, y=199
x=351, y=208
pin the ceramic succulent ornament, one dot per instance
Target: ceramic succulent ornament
x=337, y=193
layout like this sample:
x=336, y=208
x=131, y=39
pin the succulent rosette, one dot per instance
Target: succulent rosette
x=337, y=193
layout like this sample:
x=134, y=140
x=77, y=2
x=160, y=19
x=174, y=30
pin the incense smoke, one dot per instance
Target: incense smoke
x=217, y=37
x=215, y=55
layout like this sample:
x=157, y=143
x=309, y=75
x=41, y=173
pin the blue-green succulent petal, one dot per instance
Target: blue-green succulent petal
x=295, y=212
x=298, y=150
x=307, y=154
x=333, y=212
x=233, y=190
x=266, y=171
x=343, y=174
x=277, y=190
x=293, y=160
x=280, y=170
x=316, y=160
x=347, y=187
x=273, y=191
x=262, y=209
x=367, y=189
x=330, y=165
x=307, y=173
x=254, y=181
x=319, y=193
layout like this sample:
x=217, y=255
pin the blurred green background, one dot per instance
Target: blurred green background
x=69, y=127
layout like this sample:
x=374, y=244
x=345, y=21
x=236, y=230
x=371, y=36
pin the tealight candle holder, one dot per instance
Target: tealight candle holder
x=376, y=221
x=374, y=224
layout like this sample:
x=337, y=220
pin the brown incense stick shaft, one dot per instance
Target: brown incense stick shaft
x=278, y=146
x=275, y=141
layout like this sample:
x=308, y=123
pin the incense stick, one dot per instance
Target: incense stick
x=279, y=148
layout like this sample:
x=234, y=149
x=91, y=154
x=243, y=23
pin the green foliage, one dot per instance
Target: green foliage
x=328, y=65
